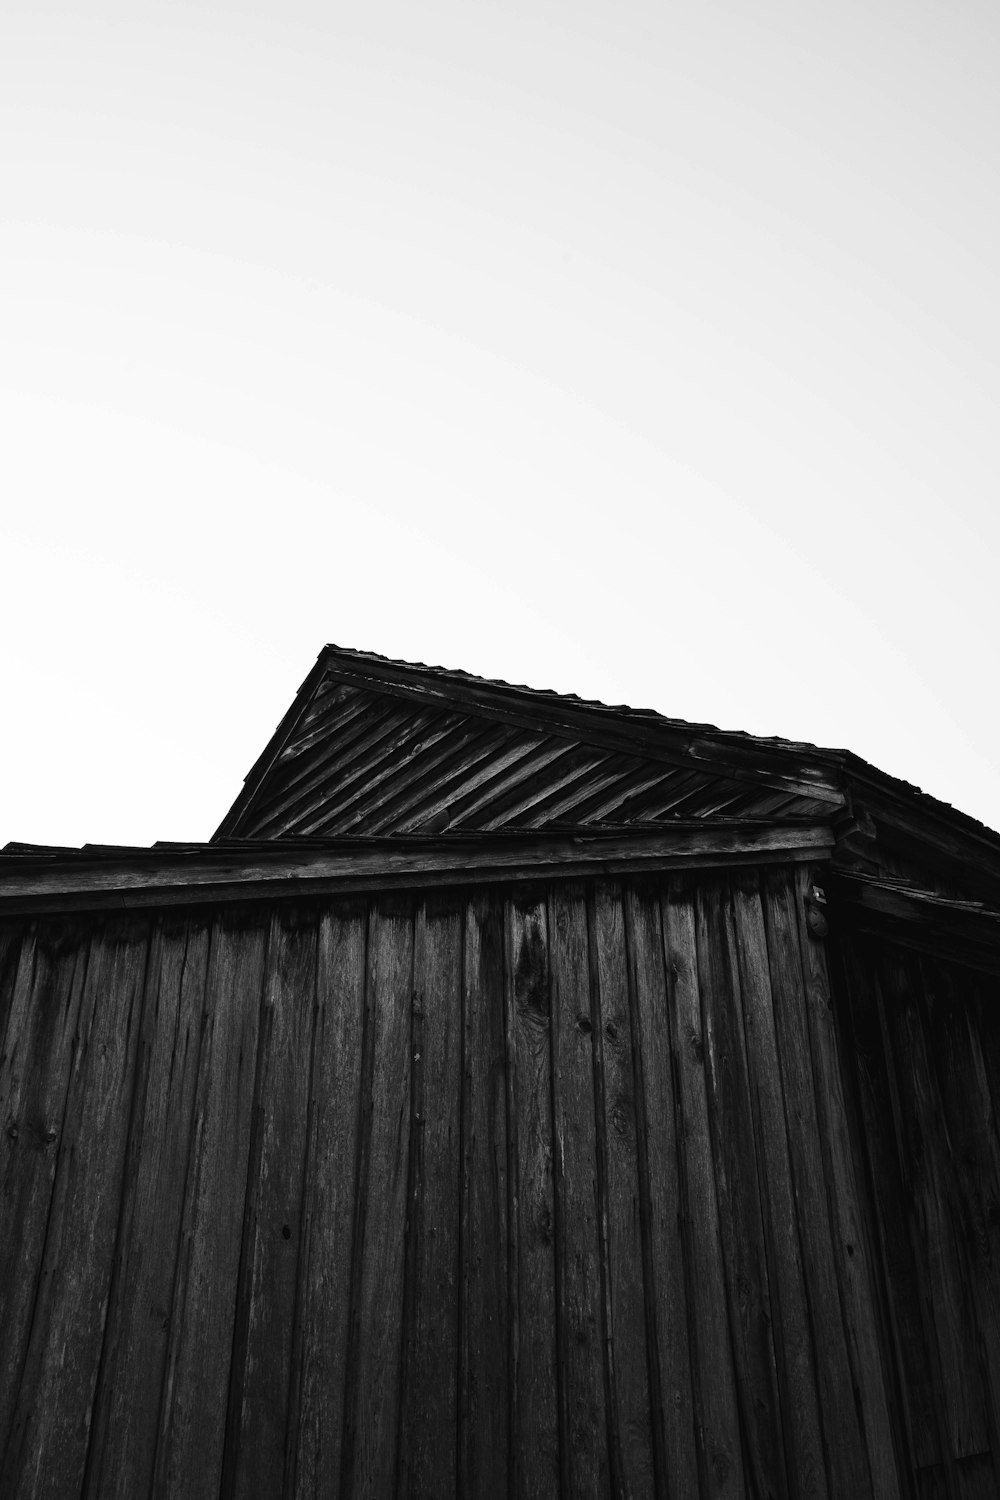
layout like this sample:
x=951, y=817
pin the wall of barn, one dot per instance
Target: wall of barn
x=922, y=1039
x=502, y=1191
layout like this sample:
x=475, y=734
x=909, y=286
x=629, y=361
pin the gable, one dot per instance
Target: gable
x=375, y=747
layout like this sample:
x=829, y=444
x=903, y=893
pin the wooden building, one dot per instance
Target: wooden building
x=517, y=1097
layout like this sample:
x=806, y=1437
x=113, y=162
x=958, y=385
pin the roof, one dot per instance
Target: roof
x=388, y=773
x=378, y=746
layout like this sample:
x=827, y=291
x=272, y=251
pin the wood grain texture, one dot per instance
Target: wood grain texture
x=534, y=1416
x=933, y=1207
x=629, y=1407
x=847, y=1462
x=578, y=1232
x=675, y=1452
x=47, y=1451
x=256, y=1460
x=919, y=1431
x=319, y=1361
x=485, y=1386
x=193, y=1410
x=123, y=1440
x=716, y=1409
x=11, y=936
x=372, y=1435
x=972, y=1163
x=796, y=1355
x=429, y=1422
x=34, y=1076
x=737, y=1175
x=857, y=1288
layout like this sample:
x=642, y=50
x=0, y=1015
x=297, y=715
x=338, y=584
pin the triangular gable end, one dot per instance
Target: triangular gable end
x=377, y=747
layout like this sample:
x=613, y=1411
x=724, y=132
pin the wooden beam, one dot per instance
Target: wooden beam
x=155, y=877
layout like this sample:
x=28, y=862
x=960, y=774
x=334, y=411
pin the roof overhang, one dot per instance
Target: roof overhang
x=90, y=879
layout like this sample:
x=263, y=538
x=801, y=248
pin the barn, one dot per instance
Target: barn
x=517, y=1096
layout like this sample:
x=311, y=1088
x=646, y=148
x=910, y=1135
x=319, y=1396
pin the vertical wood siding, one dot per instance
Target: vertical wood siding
x=572, y=1190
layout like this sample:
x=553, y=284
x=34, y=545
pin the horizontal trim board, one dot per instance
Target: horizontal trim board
x=164, y=878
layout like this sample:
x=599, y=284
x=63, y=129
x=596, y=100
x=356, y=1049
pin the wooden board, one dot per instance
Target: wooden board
x=857, y=1283
x=126, y=1416
x=737, y=1176
x=716, y=1411
x=484, y=1387
x=972, y=1163
x=933, y=1213
x=372, y=1433
x=675, y=1453
x=11, y=936
x=34, y=1076
x=320, y=1338
x=578, y=1207
x=429, y=1419
x=257, y=1460
x=796, y=1355
x=629, y=1408
x=47, y=1451
x=534, y=1414
x=193, y=1410
x=847, y=1460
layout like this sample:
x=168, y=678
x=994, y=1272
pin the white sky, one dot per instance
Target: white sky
x=644, y=351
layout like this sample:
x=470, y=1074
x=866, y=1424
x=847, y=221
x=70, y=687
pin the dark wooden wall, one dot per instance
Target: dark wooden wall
x=563, y=1190
x=922, y=1041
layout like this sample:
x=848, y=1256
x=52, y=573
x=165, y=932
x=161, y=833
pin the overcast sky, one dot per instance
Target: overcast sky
x=644, y=351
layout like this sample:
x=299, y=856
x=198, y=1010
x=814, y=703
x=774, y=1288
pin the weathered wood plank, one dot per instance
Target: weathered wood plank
x=737, y=1176
x=123, y=1442
x=923, y=1434
x=316, y=1421
x=534, y=1419
x=47, y=1451
x=11, y=936
x=193, y=1410
x=971, y=1158
x=580, y=1321
x=933, y=1209
x=675, y=1451
x=850, y=1245
x=630, y=1409
x=429, y=1422
x=716, y=1409
x=260, y=1377
x=162, y=877
x=796, y=1356
x=34, y=1078
x=484, y=1389
x=847, y=1458
x=372, y=1433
